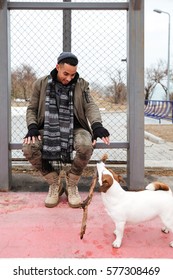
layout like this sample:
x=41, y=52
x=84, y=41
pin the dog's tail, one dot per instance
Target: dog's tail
x=157, y=186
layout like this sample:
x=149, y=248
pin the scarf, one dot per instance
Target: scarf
x=58, y=124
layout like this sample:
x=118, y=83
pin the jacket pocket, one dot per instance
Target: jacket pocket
x=86, y=96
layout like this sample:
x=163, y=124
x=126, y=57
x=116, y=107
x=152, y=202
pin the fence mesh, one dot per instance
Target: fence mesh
x=98, y=38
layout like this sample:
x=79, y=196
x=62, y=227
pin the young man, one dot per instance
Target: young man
x=62, y=117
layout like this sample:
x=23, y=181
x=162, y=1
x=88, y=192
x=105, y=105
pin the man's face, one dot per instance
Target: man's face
x=66, y=73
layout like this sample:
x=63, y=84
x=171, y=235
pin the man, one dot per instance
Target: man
x=62, y=117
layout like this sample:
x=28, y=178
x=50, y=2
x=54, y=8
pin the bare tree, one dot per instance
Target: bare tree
x=118, y=89
x=21, y=82
x=155, y=75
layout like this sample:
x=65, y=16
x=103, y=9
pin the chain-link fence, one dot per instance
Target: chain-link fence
x=98, y=38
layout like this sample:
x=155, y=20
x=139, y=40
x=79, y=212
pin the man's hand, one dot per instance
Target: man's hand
x=101, y=132
x=32, y=134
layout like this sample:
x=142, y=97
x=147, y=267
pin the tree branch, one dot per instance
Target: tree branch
x=85, y=204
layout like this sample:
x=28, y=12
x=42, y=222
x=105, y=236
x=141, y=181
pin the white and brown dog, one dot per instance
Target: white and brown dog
x=134, y=207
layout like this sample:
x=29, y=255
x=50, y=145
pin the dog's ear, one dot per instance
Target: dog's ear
x=117, y=177
x=120, y=179
x=107, y=182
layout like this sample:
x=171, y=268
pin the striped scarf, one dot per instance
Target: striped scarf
x=58, y=124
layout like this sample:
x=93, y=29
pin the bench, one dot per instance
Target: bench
x=159, y=109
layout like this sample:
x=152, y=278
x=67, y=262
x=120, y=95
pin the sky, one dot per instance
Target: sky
x=156, y=32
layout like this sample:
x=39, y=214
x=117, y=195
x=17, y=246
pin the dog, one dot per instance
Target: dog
x=134, y=207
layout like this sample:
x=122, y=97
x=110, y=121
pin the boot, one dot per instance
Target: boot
x=55, y=189
x=74, y=198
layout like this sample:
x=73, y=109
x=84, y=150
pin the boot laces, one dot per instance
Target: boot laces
x=72, y=187
x=73, y=190
x=54, y=187
x=53, y=190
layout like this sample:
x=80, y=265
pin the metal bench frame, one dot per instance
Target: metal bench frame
x=159, y=109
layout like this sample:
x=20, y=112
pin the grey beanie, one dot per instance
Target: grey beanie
x=65, y=55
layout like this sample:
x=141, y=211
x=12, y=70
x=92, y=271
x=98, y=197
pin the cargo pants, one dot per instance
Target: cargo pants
x=83, y=151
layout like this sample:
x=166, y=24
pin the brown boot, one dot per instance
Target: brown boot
x=74, y=198
x=55, y=189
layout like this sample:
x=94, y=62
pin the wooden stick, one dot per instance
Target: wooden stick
x=86, y=202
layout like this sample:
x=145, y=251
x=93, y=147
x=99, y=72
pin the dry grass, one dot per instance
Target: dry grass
x=164, y=131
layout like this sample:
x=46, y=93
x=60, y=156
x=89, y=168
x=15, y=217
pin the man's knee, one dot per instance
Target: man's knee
x=32, y=150
x=83, y=142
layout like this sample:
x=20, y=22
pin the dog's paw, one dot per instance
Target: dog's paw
x=171, y=244
x=165, y=230
x=116, y=244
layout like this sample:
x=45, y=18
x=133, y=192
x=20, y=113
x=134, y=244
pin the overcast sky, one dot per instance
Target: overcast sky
x=156, y=31
x=156, y=34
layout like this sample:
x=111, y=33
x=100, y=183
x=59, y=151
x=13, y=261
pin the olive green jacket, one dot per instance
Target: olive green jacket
x=85, y=110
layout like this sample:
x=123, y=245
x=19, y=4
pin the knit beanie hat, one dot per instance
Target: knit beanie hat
x=66, y=56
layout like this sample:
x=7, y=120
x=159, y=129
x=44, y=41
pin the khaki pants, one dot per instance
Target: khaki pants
x=83, y=151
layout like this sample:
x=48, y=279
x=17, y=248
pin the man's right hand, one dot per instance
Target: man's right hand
x=32, y=134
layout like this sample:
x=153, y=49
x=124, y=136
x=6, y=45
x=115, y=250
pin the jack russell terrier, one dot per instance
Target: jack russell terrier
x=134, y=207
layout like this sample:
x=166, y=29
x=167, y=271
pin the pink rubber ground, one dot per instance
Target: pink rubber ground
x=30, y=230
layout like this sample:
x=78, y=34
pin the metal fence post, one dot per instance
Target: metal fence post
x=5, y=157
x=135, y=72
x=67, y=29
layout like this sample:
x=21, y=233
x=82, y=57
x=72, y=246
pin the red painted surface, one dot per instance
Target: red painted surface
x=30, y=230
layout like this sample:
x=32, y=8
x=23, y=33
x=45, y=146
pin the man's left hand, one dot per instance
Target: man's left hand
x=102, y=133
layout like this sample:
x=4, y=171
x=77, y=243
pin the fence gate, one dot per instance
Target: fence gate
x=107, y=37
